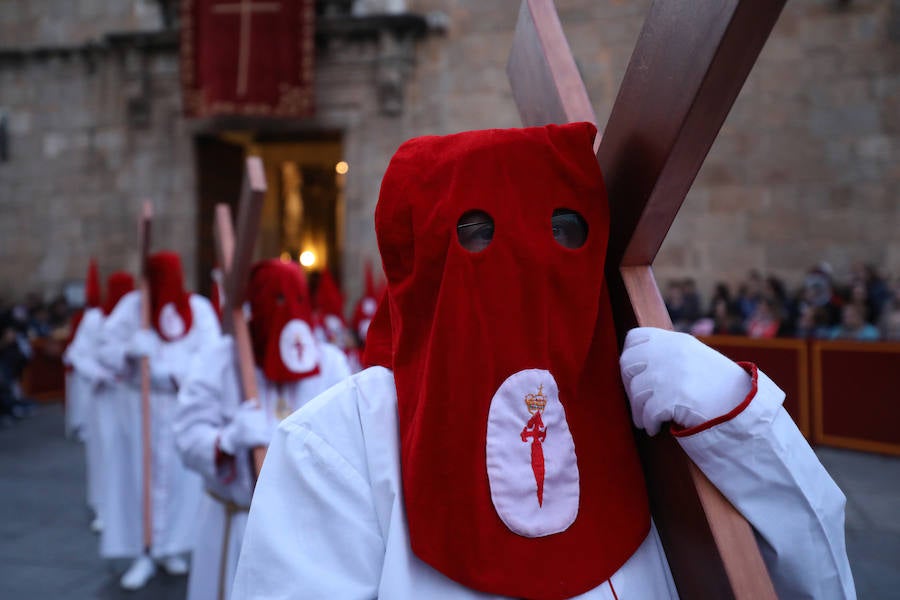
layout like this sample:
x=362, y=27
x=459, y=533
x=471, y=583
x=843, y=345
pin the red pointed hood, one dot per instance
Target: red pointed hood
x=377, y=352
x=520, y=473
x=365, y=307
x=170, y=307
x=118, y=284
x=92, y=293
x=329, y=300
x=280, y=322
x=329, y=315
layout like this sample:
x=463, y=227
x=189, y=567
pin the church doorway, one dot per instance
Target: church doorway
x=302, y=218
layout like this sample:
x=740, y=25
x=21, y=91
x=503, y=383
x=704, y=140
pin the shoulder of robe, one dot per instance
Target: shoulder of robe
x=202, y=305
x=336, y=414
x=220, y=350
x=91, y=322
x=127, y=308
x=205, y=317
x=213, y=359
x=332, y=356
x=94, y=316
x=130, y=301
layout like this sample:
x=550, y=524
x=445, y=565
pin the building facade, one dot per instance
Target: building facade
x=805, y=169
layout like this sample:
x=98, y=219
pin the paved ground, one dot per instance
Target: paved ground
x=47, y=551
x=872, y=486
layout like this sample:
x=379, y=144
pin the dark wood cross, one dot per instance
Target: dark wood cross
x=235, y=254
x=144, y=222
x=245, y=9
x=690, y=62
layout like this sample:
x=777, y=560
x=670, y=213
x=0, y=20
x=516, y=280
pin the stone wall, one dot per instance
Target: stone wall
x=49, y=23
x=807, y=166
x=805, y=169
x=90, y=136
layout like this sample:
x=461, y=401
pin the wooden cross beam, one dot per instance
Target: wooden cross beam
x=689, y=65
x=235, y=254
x=144, y=222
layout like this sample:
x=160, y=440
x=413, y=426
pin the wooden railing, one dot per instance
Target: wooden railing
x=840, y=393
x=44, y=377
x=843, y=394
x=855, y=397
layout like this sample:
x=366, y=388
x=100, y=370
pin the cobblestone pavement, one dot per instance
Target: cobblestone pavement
x=48, y=552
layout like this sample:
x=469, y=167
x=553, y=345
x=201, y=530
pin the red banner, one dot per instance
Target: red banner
x=247, y=57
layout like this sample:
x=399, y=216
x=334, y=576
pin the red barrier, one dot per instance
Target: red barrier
x=44, y=377
x=855, y=399
x=784, y=360
x=839, y=393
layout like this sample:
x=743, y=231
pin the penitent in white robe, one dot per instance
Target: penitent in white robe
x=85, y=383
x=78, y=384
x=207, y=401
x=176, y=491
x=328, y=519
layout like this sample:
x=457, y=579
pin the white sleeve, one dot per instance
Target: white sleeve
x=82, y=352
x=200, y=414
x=763, y=465
x=117, y=331
x=312, y=531
x=175, y=357
x=335, y=367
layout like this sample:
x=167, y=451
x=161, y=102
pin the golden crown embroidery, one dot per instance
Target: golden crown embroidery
x=537, y=431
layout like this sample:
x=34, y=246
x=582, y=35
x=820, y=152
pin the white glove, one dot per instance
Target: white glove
x=251, y=426
x=143, y=343
x=98, y=385
x=161, y=378
x=672, y=376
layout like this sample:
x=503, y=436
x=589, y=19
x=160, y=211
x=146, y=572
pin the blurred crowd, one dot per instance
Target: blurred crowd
x=864, y=307
x=22, y=326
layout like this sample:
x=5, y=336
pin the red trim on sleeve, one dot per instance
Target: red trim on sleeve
x=226, y=469
x=751, y=369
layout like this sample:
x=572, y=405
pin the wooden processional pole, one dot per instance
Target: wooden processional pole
x=235, y=254
x=144, y=224
x=690, y=62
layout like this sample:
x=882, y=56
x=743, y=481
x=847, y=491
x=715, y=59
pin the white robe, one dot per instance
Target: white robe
x=176, y=491
x=207, y=401
x=82, y=387
x=78, y=384
x=74, y=391
x=328, y=519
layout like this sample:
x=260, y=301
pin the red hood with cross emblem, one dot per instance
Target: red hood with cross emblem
x=520, y=473
x=283, y=344
x=170, y=304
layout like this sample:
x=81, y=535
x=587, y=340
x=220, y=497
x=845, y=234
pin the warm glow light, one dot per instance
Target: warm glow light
x=307, y=258
x=342, y=168
x=285, y=257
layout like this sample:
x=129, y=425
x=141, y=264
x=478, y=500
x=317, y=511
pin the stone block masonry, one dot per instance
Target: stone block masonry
x=806, y=167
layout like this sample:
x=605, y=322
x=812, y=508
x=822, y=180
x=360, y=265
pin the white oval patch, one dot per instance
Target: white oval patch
x=368, y=306
x=171, y=324
x=297, y=346
x=364, y=328
x=531, y=464
x=335, y=328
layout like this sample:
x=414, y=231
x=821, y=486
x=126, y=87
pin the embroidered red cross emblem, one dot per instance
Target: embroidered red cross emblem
x=537, y=431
